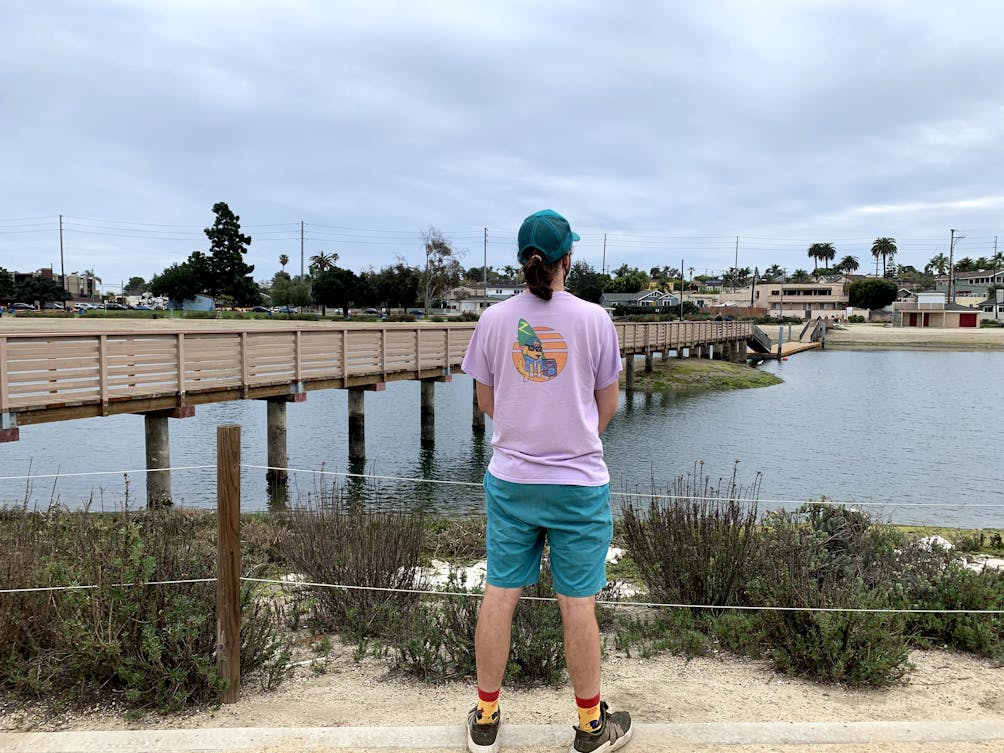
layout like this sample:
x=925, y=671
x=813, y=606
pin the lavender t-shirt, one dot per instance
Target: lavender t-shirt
x=545, y=359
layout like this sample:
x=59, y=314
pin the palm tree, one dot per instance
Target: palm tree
x=283, y=261
x=824, y=251
x=800, y=275
x=849, y=263
x=321, y=261
x=773, y=272
x=884, y=247
x=938, y=263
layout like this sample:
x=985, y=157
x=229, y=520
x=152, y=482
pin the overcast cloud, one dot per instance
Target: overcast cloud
x=670, y=127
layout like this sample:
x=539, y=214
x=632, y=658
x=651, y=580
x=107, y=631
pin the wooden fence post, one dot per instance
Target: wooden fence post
x=228, y=559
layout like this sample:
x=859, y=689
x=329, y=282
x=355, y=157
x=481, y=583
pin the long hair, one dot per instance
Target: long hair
x=539, y=275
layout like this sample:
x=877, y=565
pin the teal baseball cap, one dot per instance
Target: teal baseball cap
x=548, y=232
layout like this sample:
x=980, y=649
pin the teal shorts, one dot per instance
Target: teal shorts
x=574, y=520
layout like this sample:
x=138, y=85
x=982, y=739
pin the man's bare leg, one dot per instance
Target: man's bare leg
x=582, y=643
x=493, y=635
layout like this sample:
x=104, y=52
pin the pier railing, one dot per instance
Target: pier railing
x=69, y=375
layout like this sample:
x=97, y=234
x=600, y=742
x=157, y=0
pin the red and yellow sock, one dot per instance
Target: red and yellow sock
x=589, y=713
x=488, y=706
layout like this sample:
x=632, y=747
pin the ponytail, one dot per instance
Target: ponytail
x=539, y=275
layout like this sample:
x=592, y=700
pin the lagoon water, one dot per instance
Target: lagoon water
x=910, y=436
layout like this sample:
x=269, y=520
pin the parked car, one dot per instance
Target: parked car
x=53, y=306
x=21, y=307
x=285, y=310
x=141, y=307
x=260, y=309
x=116, y=307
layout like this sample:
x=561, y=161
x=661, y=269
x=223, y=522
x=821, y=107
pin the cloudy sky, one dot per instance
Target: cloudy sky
x=669, y=128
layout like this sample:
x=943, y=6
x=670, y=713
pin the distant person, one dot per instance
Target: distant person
x=546, y=369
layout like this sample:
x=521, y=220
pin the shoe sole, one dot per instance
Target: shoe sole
x=620, y=742
x=473, y=747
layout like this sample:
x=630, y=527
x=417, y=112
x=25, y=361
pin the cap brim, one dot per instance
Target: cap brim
x=575, y=236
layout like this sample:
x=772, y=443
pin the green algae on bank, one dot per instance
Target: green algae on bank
x=699, y=375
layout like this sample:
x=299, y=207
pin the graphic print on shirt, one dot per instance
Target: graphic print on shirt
x=538, y=354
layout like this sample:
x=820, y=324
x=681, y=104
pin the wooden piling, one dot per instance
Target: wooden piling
x=357, y=424
x=277, y=477
x=428, y=437
x=477, y=415
x=228, y=560
x=158, y=460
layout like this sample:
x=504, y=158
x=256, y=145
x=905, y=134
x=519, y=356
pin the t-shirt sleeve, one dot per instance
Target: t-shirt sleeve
x=476, y=362
x=609, y=363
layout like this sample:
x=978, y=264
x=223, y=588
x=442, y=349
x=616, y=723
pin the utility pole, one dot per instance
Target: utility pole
x=735, y=269
x=951, y=265
x=62, y=266
x=756, y=273
x=301, y=250
x=681, y=290
x=485, y=272
x=603, y=267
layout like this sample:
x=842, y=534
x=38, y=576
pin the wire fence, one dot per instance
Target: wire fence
x=770, y=502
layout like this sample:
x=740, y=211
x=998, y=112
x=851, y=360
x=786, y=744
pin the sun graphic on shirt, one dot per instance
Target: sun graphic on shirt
x=540, y=353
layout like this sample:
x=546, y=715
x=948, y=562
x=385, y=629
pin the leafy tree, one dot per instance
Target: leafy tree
x=283, y=261
x=337, y=287
x=628, y=280
x=872, y=293
x=773, y=272
x=938, y=263
x=178, y=282
x=286, y=291
x=322, y=262
x=585, y=282
x=228, y=272
x=395, y=286
x=6, y=286
x=821, y=252
x=441, y=267
x=800, y=275
x=884, y=248
x=965, y=264
x=135, y=286
x=42, y=289
x=849, y=264
x=476, y=274
x=736, y=277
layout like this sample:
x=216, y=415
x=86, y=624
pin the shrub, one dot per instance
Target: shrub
x=694, y=546
x=822, y=563
x=353, y=547
x=435, y=639
x=146, y=646
x=855, y=319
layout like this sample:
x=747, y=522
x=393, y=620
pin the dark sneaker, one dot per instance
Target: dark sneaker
x=483, y=738
x=614, y=732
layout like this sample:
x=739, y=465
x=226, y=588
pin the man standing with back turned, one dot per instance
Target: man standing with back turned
x=545, y=365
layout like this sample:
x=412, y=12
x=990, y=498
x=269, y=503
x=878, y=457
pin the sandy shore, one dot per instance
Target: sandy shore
x=880, y=336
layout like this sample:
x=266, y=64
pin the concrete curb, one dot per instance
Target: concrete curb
x=454, y=737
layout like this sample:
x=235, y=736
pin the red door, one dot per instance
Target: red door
x=967, y=320
x=913, y=320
